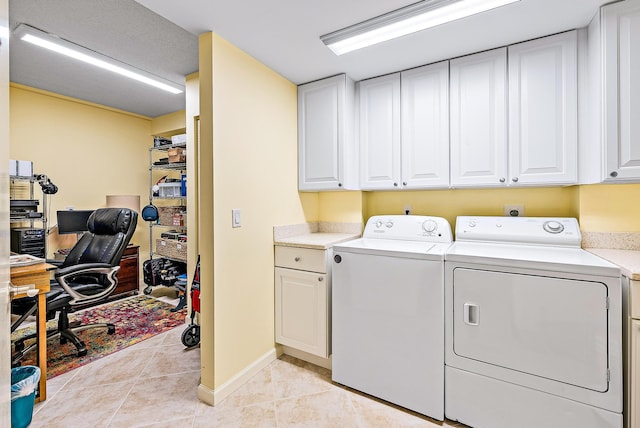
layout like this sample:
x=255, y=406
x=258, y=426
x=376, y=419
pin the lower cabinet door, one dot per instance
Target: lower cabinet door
x=301, y=306
x=634, y=376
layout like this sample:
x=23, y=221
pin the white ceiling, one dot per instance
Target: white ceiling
x=283, y=34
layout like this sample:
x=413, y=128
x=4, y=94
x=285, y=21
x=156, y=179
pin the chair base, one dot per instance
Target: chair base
x=65, y=335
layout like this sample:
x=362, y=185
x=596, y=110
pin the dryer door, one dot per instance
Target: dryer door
x=555, y=328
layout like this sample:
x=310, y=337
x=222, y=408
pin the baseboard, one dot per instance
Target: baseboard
x=305, y=356
x=214, y=397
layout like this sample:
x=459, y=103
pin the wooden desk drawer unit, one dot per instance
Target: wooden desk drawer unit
x=129, y=273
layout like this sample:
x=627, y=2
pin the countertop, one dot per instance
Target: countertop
x=628, y=260
x=316, y=240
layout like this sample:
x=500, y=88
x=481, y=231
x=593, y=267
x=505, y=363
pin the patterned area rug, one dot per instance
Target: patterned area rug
x=136, y=319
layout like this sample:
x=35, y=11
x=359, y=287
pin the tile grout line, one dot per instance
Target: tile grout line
x=137, y=380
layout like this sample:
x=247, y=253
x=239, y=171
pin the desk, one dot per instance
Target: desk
x=37, y=274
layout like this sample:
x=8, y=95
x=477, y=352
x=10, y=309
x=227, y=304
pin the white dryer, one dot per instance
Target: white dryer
x=388, y=313
x=533, y=327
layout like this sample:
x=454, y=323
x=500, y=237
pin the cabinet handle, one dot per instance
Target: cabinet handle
x=404, y=183
x=514, y=179
x=297, y=259
x=320, y=279
x=339, y=184
x=502, y=180
x=395, y=184
x=613, y=174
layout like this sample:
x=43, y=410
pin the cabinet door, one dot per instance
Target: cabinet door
x=479, y=119
x=425, y=126
x=621, y=59
x=634, y=376
x=380, y=133
x=543, y=110
x=302, y=311
x=321, y=134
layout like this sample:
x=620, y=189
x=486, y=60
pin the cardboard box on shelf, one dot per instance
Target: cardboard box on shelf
x=177, y=154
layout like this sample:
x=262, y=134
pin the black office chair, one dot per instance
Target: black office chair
x=87, y=275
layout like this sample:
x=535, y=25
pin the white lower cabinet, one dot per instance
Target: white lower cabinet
x=632, y=377
x=303, y=295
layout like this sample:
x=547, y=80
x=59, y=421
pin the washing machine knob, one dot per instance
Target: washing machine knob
x=429, y=226
x=378, y=223
x=553, y=226
x=389, y=224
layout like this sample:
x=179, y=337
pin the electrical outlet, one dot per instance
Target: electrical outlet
x=514, y=210
x=407, y=210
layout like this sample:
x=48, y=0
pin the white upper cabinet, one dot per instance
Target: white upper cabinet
x=425, y=126
x=380, y=133
x=326, y=146
x=543, y=123
x=521, y=130
x=621, y=79
x=479, y=119
x=404, y=129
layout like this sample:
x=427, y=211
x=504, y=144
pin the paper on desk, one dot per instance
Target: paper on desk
x=24, y=260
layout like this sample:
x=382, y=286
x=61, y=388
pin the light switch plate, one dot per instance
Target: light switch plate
x=235, y=218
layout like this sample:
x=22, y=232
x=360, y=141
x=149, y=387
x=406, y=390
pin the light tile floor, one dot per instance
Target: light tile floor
x=153, y=384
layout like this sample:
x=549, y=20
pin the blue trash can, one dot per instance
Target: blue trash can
x=24, y=382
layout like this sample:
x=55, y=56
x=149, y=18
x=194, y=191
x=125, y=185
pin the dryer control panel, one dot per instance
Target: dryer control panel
x=558, y=231
x=409, y=228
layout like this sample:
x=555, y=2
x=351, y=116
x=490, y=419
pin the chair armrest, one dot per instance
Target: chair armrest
x=66, y=275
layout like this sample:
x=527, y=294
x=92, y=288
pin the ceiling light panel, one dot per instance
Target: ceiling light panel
x=404, y=21
x=77, y=52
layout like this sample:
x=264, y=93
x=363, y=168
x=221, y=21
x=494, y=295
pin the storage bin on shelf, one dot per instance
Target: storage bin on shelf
x=169, y=190
x=172, y=248
x=173, y=216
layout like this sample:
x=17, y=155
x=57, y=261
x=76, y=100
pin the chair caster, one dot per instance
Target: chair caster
x=147, y=290
x=191, y=336
x=111, y=329
x=82, y=352
x=18, y=346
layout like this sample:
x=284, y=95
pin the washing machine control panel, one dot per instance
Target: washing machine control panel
x=561, y=231
x=409, y=227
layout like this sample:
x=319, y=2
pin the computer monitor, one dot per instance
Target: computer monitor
x=73, y=221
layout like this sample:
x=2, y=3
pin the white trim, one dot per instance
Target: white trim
x=213, y=397
x=305, y=356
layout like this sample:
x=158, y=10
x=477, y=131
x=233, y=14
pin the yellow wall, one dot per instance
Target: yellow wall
x=254, y=135
x=340, y=207
x=610, y=208
x=87, y=150
x=169, y=124
x=551, y=202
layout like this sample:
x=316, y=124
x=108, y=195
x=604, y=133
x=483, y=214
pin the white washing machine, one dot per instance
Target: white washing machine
x=533, y=327
x=388, y=317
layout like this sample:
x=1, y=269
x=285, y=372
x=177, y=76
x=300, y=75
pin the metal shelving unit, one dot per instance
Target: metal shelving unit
x=15, y=182
x=179, y=167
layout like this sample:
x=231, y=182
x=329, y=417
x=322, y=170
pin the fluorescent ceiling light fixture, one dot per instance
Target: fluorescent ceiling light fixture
x=67, y=48
x=407, y=20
